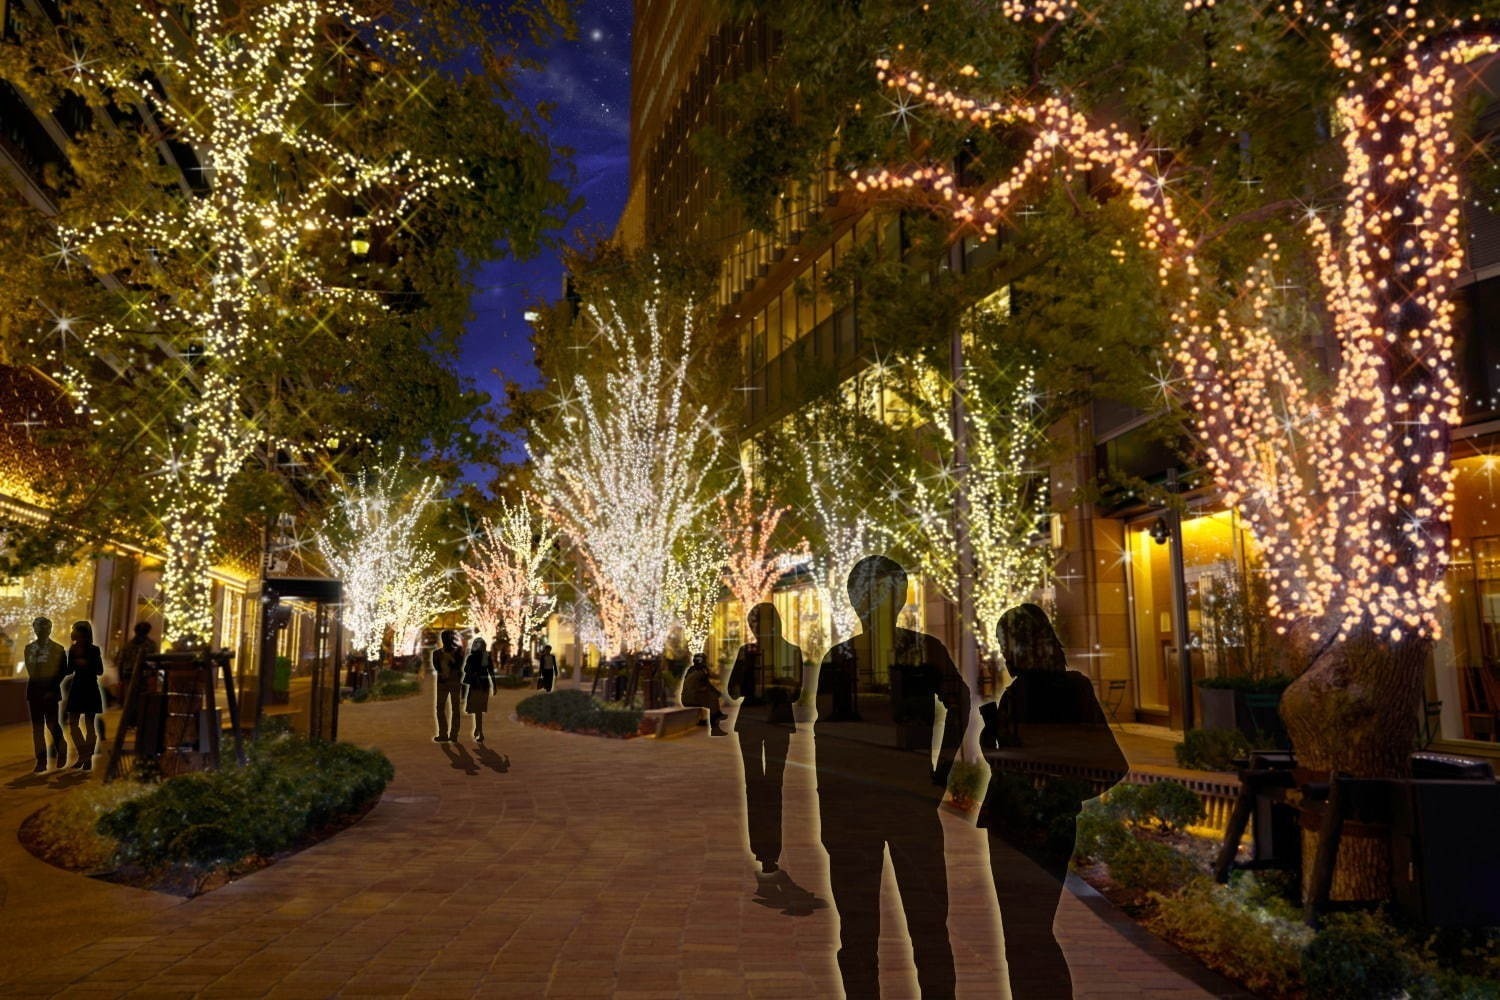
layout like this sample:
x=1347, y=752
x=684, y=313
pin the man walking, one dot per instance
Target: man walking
x=874, y=794
x=45, y=665
x=447, y=668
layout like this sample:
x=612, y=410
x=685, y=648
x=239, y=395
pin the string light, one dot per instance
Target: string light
x=505, y=567
x=627, y=471
x=53, y=593
x=694, y=581
x=752, y=566
x=371, y=542
x=1006, y=511
x=1347, y=488
x=231, y=261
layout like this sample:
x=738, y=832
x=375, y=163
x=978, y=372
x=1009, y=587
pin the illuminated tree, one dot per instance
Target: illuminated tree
x=1007, y=509
x=506, y=569
x=226, y=288
x=372, y=542
x=630, y=466
x=1344, y=478
x=752, y=564
x=695, y=579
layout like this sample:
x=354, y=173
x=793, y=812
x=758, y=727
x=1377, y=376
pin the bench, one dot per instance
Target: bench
x=666, y=722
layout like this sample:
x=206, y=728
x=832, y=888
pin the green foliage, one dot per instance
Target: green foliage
x=966, y=780
x=577, y=712
x=67, y=831
x=513, y=682
x=1235, y=931
x=1167, y=805
x=389, y=684
x=1140, y=864
x=1357, y=956
x=289, y=789
x=1211, y=749
x=1100, y=834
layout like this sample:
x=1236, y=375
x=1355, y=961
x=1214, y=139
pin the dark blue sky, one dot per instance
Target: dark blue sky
x=588, y=83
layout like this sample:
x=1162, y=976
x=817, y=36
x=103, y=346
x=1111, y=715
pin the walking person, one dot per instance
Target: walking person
x=46, y=666
x=447, y=669
x=131, y=658
x=874, y=796
x=764, y=727
x=85, y=701
x=479, y=681
x=546, y=666
x=1047, y=728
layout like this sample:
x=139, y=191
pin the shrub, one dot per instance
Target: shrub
x=510, y=681
x=389, y=684
x=1138, y=864
x=289, y=789
x=67, y=833
x=1211, y=749
x=1243, y=682
x=1172, y=805
x=1357, y=956
x=575, y=711
x=1100, y=834
x=966, y=782
x=1231, y=930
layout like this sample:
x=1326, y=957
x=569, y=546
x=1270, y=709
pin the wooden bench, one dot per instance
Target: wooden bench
x=666, y=722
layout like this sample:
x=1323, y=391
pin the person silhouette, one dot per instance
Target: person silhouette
x=875, y=794
x=447, y=668
x=478, y=682
x=1046, y=730
x=132, y=657
x=85, y=700
x=546, y=669
x=46, y=665
x=764, y=729
x=698, y=691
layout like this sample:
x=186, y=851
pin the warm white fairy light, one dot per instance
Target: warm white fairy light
x=230, y=259
x=695, y=579
x=372, y=542
x=838, y=511
x=1348, y=489
x=53, y=593
x=753, y=565
x=1006, y=511
x=628, y=470
x=506, y=568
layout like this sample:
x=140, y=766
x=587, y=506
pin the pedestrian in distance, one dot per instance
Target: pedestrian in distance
x=478, y=683
x=46, y=665
x=131, y=658
x=546, y=668
x=447, y=670
x=85, y=700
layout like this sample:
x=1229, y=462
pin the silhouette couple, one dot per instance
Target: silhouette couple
x=880, y=784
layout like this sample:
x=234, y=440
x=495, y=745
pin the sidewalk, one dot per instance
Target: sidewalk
x=586, y=868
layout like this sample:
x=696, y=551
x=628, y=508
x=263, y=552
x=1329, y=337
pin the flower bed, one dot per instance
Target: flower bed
x=577, y=712
x=1132, y=847
x=194, y=832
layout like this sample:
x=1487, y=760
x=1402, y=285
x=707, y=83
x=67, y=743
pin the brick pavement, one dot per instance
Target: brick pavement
x=571, y=867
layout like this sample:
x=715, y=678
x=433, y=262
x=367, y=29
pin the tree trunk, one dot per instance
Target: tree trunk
x=1354, y=712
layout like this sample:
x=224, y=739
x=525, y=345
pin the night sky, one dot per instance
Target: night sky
x=588, y=82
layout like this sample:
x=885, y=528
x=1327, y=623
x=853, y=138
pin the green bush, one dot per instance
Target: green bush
x=1357, y=956
x=389, y=684
x=966, y=781
x=1234, y=931
x=1171, y=805
x=512, y=682
x=576, y=711
x=67, y=831
x=1100, y=834
x=1139, y=864
x=1211, y=749
x=289, y=789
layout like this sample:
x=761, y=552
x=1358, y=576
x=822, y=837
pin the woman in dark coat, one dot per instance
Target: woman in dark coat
x=1050, y=748
x=85, y=699
x=478, y=682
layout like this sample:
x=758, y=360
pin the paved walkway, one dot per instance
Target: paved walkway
x=573, y=867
